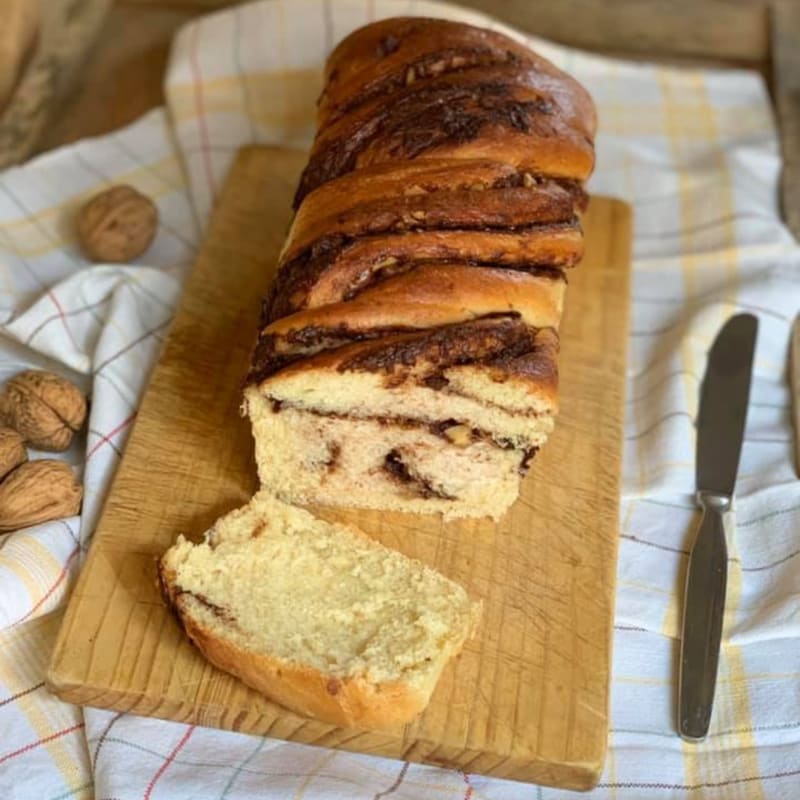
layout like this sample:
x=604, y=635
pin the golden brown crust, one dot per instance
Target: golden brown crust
x=506, y=349
x=396, y=354
x=384, y=56
x=390, y=180
x=535, y=371
x=433, y=295
x=519, y=115
x=366, y=208
x=433, y=201
x=347, y=702
x=378, y=59
x=347, y=270
x=427, y=298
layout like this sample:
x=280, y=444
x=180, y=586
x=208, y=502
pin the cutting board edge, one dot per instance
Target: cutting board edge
x=577, y=776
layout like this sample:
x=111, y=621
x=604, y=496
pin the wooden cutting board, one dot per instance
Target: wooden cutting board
x=528, y=697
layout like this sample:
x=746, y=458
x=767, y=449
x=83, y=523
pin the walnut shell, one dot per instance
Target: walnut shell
x=12, y=451
x=45, y=409
x=117, y=225
x=38, y=491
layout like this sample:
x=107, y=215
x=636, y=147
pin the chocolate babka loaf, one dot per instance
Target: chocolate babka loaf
x=408, y=348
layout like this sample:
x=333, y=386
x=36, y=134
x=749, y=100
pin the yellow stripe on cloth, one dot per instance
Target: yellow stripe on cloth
x=288, y=103
x=721, y=200
x=673, y=125
x=26, y=650
x=737, y=693
x=32, y=563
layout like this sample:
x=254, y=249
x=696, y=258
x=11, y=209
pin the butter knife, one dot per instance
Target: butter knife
x=720, y=428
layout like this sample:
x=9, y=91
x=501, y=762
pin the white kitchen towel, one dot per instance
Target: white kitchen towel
x=693, y=150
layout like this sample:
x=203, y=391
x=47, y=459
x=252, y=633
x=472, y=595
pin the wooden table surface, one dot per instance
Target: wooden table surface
x=122, y=77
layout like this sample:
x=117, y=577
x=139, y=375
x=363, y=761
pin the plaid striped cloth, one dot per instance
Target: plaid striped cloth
x=694, y=151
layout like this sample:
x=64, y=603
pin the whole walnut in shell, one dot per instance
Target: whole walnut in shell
x=38, y=491
x=117, y=225
x=12, y=451
x=45, y=409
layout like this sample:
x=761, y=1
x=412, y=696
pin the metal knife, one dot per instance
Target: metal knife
x=720, y=428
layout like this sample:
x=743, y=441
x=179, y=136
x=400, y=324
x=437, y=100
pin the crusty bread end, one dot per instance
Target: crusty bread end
x=357, y=689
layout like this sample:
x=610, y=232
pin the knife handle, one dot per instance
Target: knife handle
x=703, y=612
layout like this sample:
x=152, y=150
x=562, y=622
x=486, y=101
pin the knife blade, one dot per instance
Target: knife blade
x=724, y=397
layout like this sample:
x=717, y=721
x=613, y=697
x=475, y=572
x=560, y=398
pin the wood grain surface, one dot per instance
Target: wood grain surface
x=528, y=698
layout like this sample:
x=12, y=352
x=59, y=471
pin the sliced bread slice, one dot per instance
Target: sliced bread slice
x=317, y=616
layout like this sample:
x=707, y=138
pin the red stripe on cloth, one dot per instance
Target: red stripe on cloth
x=40, y=742
x=468, y=793
x=107, y=438
x=200, y=108
x=169, y=759
x=49, y=592
x=63, y=318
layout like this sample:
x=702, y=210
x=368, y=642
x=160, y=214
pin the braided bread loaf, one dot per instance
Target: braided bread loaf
x=407, y=355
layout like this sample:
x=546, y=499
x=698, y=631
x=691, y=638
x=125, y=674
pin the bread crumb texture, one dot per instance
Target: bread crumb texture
x=276, y=581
